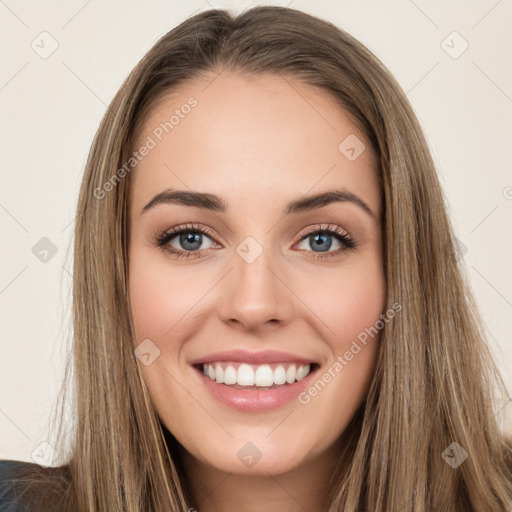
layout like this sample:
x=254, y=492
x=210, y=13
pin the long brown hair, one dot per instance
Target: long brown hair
x=434, y=377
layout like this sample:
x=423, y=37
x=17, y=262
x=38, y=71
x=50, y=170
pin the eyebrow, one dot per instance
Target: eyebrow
x=215, y=203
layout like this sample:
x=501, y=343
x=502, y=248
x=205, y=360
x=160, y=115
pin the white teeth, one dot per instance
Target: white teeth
x=245, y=375
x=255, y=375
x=279, y=375
x=264, y=376
x=230, y=376
x=305, y=371
x=290, y=374
x=219, y=373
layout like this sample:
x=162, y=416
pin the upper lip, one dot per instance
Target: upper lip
x=243, y=356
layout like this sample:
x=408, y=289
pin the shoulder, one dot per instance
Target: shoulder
x=8, y=468
x=10, y=486
x=25, y=486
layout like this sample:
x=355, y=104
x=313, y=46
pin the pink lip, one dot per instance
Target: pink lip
x=265, y=357
x=254, y=400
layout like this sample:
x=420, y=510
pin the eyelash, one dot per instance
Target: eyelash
x=344, y=237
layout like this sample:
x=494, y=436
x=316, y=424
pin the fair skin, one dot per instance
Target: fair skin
x=258, y=143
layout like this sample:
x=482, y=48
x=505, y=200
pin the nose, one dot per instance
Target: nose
x=256, y=294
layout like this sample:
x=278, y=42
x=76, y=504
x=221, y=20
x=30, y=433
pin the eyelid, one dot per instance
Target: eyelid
x=176, y=230
x=163, y=238
x=323, y=227
x=314, y=228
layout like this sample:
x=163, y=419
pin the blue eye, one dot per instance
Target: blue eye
x=190, y=239
x=322, y=239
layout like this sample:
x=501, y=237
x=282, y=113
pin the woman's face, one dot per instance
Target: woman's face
x=254, y=289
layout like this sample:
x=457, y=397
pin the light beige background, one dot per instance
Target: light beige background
x=51, y=108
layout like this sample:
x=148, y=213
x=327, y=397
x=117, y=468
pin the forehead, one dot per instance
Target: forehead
x=252, y=138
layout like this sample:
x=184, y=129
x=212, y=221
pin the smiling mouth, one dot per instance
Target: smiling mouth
x=247, y=377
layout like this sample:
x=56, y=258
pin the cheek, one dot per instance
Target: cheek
x=160, y=303
x=347, y=301
x=349, y=304
x=159, y=297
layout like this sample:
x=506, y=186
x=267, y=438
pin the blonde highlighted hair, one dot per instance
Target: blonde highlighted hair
x=434, y=378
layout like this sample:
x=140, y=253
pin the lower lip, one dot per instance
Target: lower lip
x=254, y=400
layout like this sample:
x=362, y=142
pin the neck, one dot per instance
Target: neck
x=307, y=487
